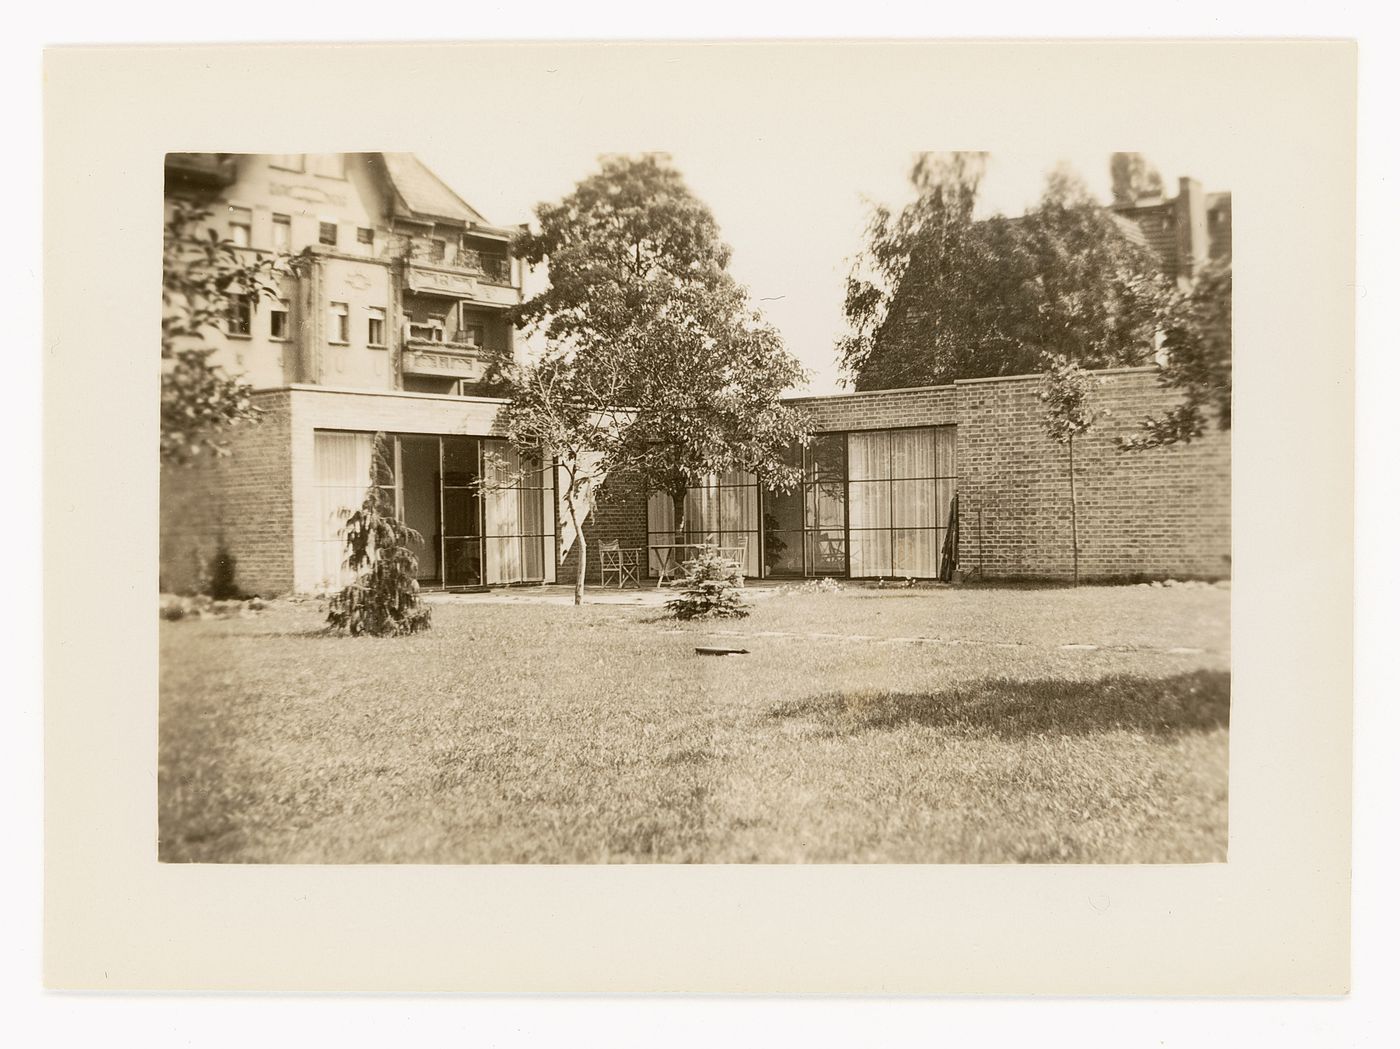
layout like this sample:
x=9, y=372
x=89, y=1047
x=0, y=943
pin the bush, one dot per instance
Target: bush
x=223, y=586
x=384, y=599
x=712, y=589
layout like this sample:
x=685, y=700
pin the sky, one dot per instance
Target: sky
x=791, y=174
x=795, y=257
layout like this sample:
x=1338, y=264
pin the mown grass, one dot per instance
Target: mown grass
x=523, y=733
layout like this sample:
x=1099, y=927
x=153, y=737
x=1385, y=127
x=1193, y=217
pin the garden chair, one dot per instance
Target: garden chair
x=621, y=563
x=737, y=552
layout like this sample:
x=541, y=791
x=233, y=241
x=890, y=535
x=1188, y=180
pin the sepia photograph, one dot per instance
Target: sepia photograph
x=699, y=506
x=699, y=517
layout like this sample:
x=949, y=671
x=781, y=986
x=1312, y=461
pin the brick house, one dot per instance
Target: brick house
x=387, y=332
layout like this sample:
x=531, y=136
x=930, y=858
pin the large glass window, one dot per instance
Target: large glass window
x=901, y=492
x=472, y=532
x=721, y=512
x=519, y=523
x=342, y=472
x=804, y=530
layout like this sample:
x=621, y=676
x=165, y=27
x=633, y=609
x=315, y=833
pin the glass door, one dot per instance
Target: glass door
x=420, y=465
x=461, y=512
x=804, y=530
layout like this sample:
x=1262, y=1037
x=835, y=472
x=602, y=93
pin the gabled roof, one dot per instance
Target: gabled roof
x=420, y=193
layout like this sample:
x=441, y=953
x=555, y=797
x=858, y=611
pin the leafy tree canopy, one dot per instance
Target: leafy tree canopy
x=938, y=296
x=648, y=329
x=1197, y=342
x=1133, y=178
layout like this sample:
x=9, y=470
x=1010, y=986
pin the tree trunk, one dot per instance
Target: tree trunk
x=582, y=566
x=1073, y=513
x=678, y=515
x=582, y=550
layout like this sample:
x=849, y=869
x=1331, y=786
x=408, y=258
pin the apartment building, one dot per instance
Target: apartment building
x=387, y=328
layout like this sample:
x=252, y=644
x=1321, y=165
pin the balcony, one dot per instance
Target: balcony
x=428, y=350
x=208, y=170
x=464, y=275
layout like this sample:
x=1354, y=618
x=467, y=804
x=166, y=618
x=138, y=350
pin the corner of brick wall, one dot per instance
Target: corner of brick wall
x=243, y=500
x=1163, y=513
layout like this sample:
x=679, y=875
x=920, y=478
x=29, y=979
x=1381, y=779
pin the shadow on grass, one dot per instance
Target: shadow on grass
x=1164, y=707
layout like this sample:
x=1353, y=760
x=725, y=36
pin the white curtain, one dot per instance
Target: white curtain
x=342, y=469
x=724, y=511
x=502, y=506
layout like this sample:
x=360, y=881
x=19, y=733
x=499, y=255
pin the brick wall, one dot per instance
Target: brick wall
x=244, y=500
x=1157, y=513
x=620, y=513
x=1145, y=514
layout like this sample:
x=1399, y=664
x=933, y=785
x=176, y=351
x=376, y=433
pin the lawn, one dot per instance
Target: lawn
x=977, y=725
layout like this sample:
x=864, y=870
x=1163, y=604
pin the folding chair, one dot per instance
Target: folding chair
x=621, y=563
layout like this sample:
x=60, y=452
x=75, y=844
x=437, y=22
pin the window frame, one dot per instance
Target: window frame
x=242, y=303
x=340, y=323
x=339, y=176
x=334, y=242
x=284, y=308
x=379, y=314
x=281, y=222
x=240, y=211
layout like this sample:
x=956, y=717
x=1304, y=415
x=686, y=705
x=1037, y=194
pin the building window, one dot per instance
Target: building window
x=340, y=322
x=437, y=250
x=473, y=335
x=328, y=165
x=240, y=226
x=518, y=522
x=343, y=464
x=282, y=233
x=901, y=496
x=239, y=316
x=329, y=232
x=722, y=512
x=280, y=317
x=288, y=161
x=498, y=532
x=376, y=326
x=804, y=529
x=365, y=235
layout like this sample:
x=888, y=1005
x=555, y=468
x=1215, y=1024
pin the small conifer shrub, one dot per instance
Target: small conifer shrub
x=383, y=600
x=712, y=589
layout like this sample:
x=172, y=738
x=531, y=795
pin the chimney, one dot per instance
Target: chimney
x=1192, y=239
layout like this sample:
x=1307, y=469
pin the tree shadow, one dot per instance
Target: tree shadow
x=1158, y=706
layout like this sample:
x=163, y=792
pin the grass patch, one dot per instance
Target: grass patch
x=543, y=733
